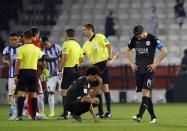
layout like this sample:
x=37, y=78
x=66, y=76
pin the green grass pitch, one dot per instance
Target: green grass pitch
x=171, y=117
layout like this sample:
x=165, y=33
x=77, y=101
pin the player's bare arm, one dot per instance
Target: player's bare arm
x=130, y=59
x=163, y=52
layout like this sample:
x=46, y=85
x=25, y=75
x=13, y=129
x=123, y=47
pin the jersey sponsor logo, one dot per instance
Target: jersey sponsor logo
x=142, y=50
x=148, y=43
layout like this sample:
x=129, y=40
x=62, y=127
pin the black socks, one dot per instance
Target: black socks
x=63, y=103
x=100, y=106
x=108, y=101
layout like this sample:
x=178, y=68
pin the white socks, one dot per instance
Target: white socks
x=40, y=99
x=51, y=100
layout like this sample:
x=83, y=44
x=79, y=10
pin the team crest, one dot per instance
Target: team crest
x=148, y=43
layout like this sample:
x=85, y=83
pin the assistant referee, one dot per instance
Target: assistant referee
x=71, y=57
x=25, y=74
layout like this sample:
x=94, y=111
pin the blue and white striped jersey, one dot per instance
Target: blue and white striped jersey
x=11, y=52
x=54, y=51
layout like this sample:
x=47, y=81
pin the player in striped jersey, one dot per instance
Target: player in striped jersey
x=9, y=57
x=52, y=51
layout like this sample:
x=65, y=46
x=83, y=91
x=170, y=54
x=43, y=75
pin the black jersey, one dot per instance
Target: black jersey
x=145, y=51
x=78, y=89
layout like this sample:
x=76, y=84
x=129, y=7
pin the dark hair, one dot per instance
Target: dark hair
x=89, y=26
x=44, y=39
x=27, y=34
x=70, y=32
x=93, y=70
x=185, y=52
x=138, y=30
x=13, y=34
x=34, y=31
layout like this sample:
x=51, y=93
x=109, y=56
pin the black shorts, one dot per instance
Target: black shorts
x=77, y=108
x=70, y=74
x=105, y=72
x=144, y=81
x=27, y=80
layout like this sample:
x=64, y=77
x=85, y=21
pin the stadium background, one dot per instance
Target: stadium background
x=52, y=17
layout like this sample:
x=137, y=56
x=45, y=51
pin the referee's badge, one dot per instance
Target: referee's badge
x=95, y=47
x=148, y=43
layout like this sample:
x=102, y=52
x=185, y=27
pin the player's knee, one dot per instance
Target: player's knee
x=96, y=101
x=145, y=93
x=32, y=94
x=21, y=93
x=63, y=93
x=105, y=88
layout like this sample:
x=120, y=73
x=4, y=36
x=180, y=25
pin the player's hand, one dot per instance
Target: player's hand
x=108, y=63
x=100, y=80
x=152, y=67
x=15, y=80
x=96, y=120
x=134, y=67
x=60, y=75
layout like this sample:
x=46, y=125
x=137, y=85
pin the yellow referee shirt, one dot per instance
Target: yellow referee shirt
x=29, y=55
x=73, y=51
x=96, y=49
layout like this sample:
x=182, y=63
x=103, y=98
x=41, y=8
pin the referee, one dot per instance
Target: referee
x=99, y=52
x=71, y=57
x=25, y=73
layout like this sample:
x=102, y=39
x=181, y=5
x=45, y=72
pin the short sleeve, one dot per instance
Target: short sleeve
x=131, y=44
x=58, y=48
x=104, y=40
x=5, y=51
x=41, y=53
x=65, y=48
x=81, y=54
x=20, y=54
x=84, y=49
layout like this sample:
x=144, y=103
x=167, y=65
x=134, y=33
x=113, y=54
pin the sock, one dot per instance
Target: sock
x=40, y=103
x=100, y=106
x=51, y=101
x=143, y=106
x=63, y=103
x=34, y=106
x=151, y=109
x=108, y=101
x=20, y=105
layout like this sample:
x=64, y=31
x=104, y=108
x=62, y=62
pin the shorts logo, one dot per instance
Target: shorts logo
x=147, y=43
x=149, y=83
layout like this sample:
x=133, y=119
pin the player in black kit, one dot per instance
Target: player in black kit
x=145, y=45
x=81, y=94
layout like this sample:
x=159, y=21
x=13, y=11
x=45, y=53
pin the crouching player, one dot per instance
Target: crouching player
x=81, y=95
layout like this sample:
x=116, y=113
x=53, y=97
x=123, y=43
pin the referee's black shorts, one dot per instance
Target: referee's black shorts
x=70, y=74
x=27, y=80
x=144, y=81
x=105, y=72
